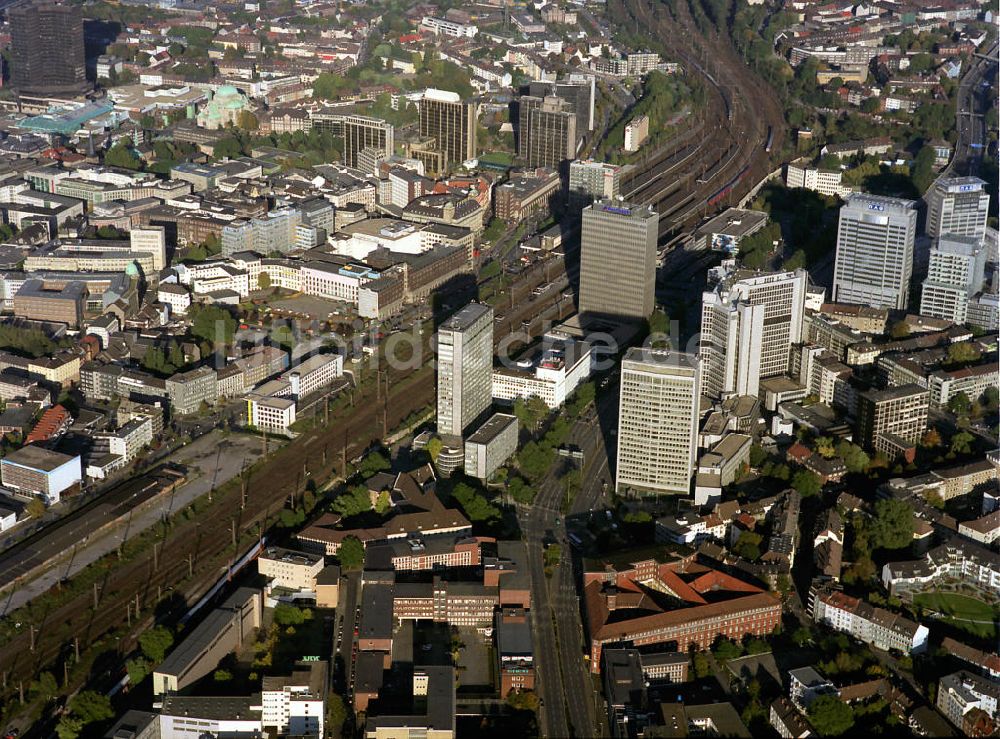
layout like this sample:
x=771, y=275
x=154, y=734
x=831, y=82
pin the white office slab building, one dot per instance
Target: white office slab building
x=465, y=368
x=749, y=322
x=657, y=422
x=875, y=241
x=957, y=205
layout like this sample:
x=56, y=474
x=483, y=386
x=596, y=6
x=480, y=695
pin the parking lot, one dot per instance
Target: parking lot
x=474, y=660
x=308, y=306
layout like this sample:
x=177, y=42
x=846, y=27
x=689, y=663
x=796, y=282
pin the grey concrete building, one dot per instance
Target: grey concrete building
x=546, y=131
x=618, y=260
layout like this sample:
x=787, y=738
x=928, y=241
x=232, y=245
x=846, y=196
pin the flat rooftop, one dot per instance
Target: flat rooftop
x=37, y=458
x=465, y=317
x=496, y=425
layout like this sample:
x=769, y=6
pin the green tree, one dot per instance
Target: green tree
x=899, y=330
x=137, y=670
x=892, y=525
x=247, y=121
x=963, y=352
x=353, y=502
x=228, y=147
x=287, y=615
x=45, y=687
x=69, y=727
x=991, y=400
x=474, y=505
x=214, y=325
x=830, y=716
x=122, y=155
x=222, y=675
x=534, y=460
x=727, y=649
x=702, y=668
x=351, y=553
x=36, y=508
x=530, y=412
x=373, y=463
x=382, y=503
x=155, y=643
x=336, y=715
x=523, y=700
x=90, y=707
x=961, y=443
x=959, y=404
x=807, y=483
x=854, y=456
x=434, y=447
x=748, y=545
x=263, y=281
x=520, y=491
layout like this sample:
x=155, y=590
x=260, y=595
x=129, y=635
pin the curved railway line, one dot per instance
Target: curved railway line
x=729, y=148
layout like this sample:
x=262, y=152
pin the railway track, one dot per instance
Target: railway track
x=189, y=557
x=741, y=119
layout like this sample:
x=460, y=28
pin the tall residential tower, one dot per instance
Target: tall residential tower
x=749, y=322
x=452, y=123
x=957, y=205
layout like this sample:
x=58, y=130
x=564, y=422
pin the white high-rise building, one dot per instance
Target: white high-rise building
x=150, y=240
x=590, y=180
x=955, y=274
x=875, y=240
x=749, y=322
x=957, y=205
x=657, y=422
x=465, y=369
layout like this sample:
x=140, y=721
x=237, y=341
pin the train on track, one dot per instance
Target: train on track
x=728, y=187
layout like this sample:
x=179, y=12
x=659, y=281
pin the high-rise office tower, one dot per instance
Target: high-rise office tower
x=875, y=240
x=618, y=260
x=657, y=421
x=955, y=274
x=546, y=131
x=590, y=181
x=749, y=322
x=452, y=124
x=892, y=420
x=465, y=369
x=362, y=132
x=578, y=91
x=957, y=205
x=47, y=57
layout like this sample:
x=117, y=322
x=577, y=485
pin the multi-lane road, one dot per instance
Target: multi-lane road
x=571, y=706
x=974, y=97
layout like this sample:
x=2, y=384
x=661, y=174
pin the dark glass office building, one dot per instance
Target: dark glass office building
x=47, y=57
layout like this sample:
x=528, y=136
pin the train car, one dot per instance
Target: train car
x=728, y=188
x=770, y=139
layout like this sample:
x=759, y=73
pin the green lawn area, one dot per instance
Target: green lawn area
x=962, y=611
